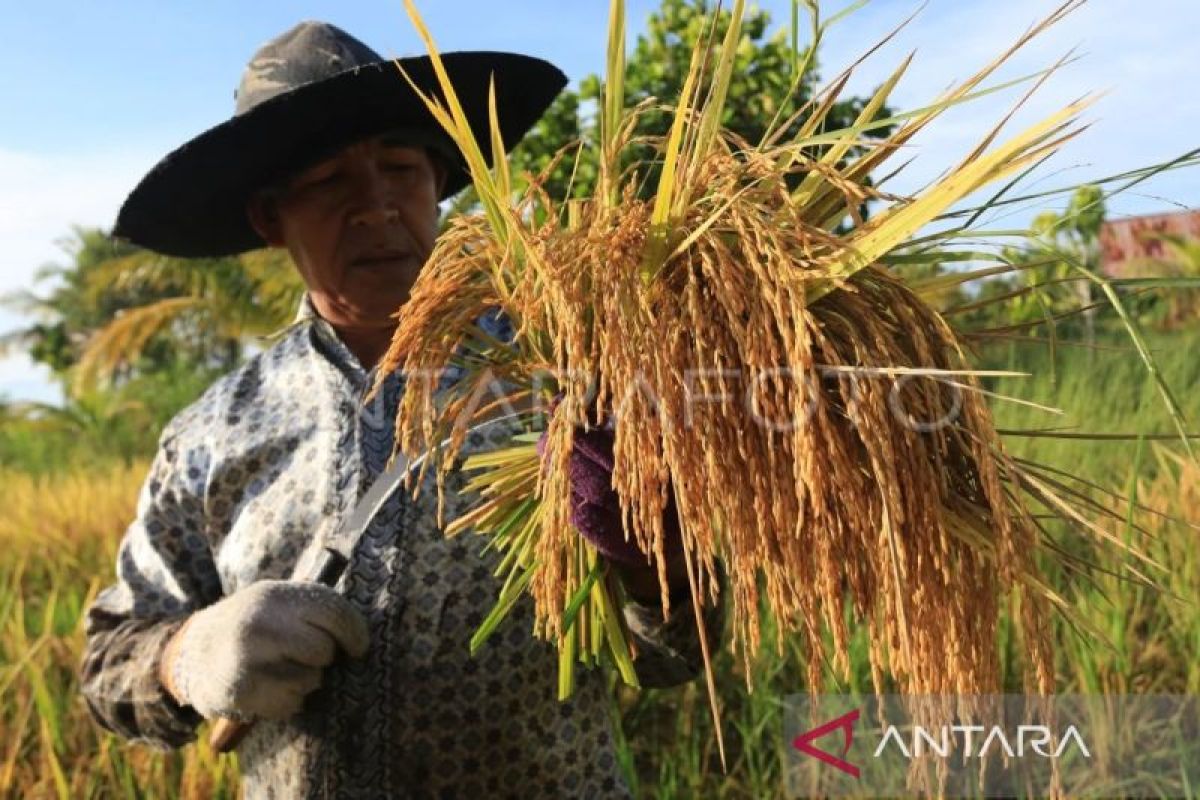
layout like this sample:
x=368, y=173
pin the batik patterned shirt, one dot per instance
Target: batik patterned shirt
x=248, y=480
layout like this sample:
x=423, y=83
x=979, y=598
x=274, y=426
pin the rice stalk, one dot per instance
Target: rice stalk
x=861, y=473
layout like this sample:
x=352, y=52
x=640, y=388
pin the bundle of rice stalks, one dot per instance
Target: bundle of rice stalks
x=861, y=481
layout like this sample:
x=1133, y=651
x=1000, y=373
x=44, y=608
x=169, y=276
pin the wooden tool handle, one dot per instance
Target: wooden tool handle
x=227, y=734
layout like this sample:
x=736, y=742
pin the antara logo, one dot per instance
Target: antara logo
x=804, y=742
x=1034, y=739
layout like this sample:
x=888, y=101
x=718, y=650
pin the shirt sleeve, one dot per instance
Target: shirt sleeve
x=165, y=570
x=668, y=650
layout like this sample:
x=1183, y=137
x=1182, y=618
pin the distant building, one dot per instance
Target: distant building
x=1126, y=242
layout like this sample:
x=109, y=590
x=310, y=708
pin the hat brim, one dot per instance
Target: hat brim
x=193, y=202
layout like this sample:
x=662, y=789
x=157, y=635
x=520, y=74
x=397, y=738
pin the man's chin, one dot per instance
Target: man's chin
x=376, y=313
x=375, y=317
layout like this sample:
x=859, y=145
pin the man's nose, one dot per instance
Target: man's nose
x=374, y=201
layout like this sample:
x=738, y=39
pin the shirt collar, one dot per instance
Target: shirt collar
x=330, y=344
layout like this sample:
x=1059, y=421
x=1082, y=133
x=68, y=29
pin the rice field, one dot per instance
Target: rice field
x=59, y=533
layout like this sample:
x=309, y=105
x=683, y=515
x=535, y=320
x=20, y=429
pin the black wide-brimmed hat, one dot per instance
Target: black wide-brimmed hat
x=304, y=94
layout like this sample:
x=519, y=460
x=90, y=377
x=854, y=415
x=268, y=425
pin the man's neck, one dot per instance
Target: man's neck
x=367, y=344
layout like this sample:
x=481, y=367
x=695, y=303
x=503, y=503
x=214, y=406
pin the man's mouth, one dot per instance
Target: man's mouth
x=380, y=259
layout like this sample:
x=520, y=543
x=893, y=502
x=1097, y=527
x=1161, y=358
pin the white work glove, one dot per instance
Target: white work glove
x=260, y=651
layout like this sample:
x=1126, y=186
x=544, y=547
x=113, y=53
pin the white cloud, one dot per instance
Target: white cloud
x=42, y=196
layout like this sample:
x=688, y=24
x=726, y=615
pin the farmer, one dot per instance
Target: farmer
x=366, y=690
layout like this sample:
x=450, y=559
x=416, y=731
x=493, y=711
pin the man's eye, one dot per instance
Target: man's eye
x=318, y=177
x=323, y=180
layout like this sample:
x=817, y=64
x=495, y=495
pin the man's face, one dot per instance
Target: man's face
x=359, y=226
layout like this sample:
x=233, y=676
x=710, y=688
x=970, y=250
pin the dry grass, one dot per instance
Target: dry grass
x=59, y=536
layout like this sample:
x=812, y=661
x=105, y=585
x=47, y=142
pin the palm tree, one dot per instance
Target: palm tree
x=1058, y=259
x=210, y=306
x=119, y=311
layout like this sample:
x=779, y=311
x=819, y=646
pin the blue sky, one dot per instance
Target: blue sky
x=94, y=93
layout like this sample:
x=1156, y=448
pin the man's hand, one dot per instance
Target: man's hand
x=596, y=513
x=260, y=651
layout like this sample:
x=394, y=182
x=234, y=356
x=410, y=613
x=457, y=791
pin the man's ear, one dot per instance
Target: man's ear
x=263, y=211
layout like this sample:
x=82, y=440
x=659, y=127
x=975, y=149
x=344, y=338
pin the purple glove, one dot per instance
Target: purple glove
x=595, y=509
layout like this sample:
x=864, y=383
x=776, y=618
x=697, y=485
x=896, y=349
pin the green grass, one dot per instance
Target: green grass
x=119, y=425
x=1099, y=391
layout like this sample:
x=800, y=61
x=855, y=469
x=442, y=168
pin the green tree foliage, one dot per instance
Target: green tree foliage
x=74, y=306
x=134, y=337
x=1173, y=308
x=764, y=89
x=1062, y=247
x=94, y=428
x=116, y=312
